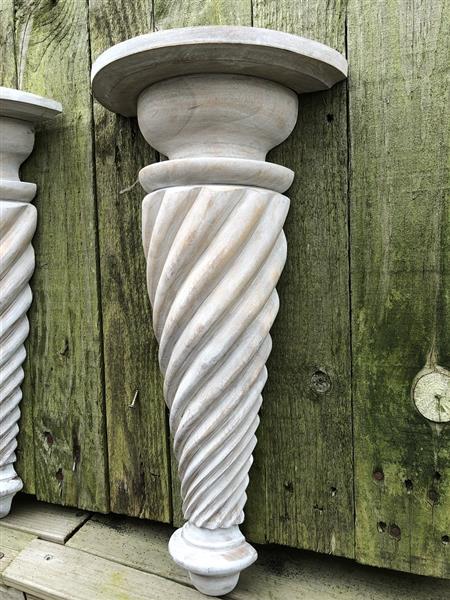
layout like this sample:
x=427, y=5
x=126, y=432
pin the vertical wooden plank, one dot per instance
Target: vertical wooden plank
x=139, y=463
x=189, y=13
x=8, y=78
x=301, y=490
x=400, y=139
x=169, y=14
x=64, y=363
x=8, y=74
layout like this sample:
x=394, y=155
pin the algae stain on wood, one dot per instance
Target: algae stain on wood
x=301, y=491
x=400, y=279
x=8, y=67
x=63, y=387
x=301, y=482
x=136, y=420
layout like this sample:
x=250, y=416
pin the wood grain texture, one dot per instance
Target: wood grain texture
x=400, y=232
x=139, y=461
x=8, y=72
x=169, y=14
x=63, y=383
x=301, y=485
x=46, y=521
x=53, y=572
x=279, y=574
x=11, y=543
x=189, y=13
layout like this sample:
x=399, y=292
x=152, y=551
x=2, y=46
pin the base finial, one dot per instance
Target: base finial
x=214, y=558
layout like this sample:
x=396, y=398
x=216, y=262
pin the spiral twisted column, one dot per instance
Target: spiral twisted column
x=17, y=226
x=214, y=256
x=214, y=100
x=18, y=113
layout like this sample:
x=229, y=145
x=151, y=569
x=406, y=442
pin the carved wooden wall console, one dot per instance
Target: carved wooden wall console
x=214, y=100
x=19, y=111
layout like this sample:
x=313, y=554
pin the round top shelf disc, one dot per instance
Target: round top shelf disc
x=121, y=73
x=25, y=106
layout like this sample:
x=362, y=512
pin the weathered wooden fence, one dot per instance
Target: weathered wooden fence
x=345, y=464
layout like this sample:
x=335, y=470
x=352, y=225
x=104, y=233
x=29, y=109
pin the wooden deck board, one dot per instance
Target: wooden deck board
x=54, y=572
x=279, y=574
x=11, y=543
x=47, y=521
x=12, y=594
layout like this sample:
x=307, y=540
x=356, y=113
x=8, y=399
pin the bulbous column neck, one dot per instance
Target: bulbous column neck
x=216, y=115
x=19, y=113
x=216, y=129
x=17, y=144
x=214, y=100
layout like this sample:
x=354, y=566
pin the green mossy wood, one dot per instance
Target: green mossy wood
x=345, y=464
x=400, y=240
x=63, y=390
x=139, y=460
x=303, y=480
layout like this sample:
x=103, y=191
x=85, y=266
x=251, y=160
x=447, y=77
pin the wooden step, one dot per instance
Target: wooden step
x=46, y=521
x=11, y=543
x=50, y=571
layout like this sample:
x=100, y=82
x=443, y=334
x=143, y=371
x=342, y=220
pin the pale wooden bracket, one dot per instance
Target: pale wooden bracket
x=214, y=100
x=19, y=112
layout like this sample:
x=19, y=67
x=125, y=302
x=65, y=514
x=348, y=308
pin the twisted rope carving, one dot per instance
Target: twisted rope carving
x=214, y=256
x=17, y=226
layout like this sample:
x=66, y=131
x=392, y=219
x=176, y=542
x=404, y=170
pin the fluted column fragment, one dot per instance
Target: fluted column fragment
x=214, y=100
x=18, y=113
